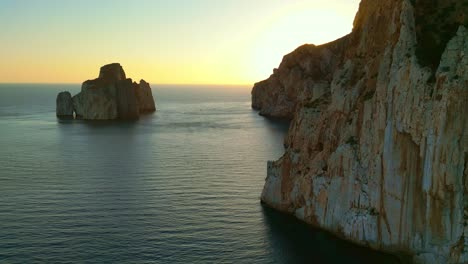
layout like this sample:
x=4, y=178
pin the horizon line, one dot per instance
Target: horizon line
x=170, y=84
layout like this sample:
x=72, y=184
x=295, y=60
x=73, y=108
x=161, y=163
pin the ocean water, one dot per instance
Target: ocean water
x=181, y=185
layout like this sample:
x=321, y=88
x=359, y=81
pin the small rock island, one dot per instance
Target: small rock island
x=111, y=96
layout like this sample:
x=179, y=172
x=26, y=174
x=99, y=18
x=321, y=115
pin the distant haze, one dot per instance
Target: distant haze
x=177, y=41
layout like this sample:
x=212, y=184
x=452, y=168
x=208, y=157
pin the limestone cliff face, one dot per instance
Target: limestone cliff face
x=111, y=96
x=303, y=75
x=377, y=151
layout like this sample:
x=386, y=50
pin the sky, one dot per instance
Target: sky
x=164, y=42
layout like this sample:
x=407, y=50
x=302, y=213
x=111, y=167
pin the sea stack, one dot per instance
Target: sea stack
x=64, y=103
x=110, y=96
x=377, y=150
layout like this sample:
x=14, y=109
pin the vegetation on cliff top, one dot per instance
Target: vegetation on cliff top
x=433, y=34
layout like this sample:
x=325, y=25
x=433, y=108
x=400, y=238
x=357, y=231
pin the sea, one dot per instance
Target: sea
x=181, y=185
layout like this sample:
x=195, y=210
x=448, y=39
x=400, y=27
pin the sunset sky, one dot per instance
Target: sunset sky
x=170, y=41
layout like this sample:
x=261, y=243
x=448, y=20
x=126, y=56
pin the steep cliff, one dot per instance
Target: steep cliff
x=377, y=151
x=110, y=96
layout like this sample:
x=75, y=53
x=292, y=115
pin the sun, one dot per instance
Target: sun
x=290, y=28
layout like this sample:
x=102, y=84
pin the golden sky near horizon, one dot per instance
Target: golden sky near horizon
x=170, y=42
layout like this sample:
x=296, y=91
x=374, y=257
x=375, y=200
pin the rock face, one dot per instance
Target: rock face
x=127, y=104
x=377, y=150
x=144, y=96
x=112, y=96
x=112, y=72
x=64, y=107
x=96, y=101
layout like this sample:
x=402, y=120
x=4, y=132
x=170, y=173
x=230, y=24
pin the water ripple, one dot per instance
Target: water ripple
x=179, y=186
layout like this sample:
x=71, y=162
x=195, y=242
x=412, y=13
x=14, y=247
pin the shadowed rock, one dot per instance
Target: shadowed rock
x=145, y=97
x=64, y=107
x=112, y=72
x=111, y=96
x=96, y=101
x=127, y=104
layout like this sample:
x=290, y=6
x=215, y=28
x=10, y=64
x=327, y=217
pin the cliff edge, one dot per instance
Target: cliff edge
x=377, y=150
x=110, y=96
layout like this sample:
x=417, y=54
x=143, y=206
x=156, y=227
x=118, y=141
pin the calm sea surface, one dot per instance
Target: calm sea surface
x=178, y=186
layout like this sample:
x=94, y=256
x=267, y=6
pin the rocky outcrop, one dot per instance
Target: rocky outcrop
x=144, y=95
x=96, y=101
x=127, y=104
x=64, y=108
x=112, y=96
x=303, y=75
x=112, y=72
x=377, y=150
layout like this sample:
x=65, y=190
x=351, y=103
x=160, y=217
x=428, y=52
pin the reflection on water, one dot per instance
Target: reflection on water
x=181, y=185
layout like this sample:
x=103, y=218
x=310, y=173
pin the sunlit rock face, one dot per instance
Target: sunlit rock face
x=377, y=151
x=112, y=96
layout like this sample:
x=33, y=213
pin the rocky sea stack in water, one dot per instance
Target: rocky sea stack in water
x=111, y=96
x=377, y=150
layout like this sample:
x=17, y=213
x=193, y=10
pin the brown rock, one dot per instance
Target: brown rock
x=127, y=104
x=112, y=72
x=111, y=96
x=144, y=97
x=377, y=149
x=96, y=101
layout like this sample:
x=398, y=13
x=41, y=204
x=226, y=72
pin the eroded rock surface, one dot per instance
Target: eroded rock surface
x=377, y=151
x=112, y=96
x=64, y=108
x=96, y=101
x=127, y=104
x=112, y=72
x=144, y=97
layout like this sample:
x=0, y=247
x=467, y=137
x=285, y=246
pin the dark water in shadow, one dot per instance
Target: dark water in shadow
x=181, y=185
x=300, y=243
